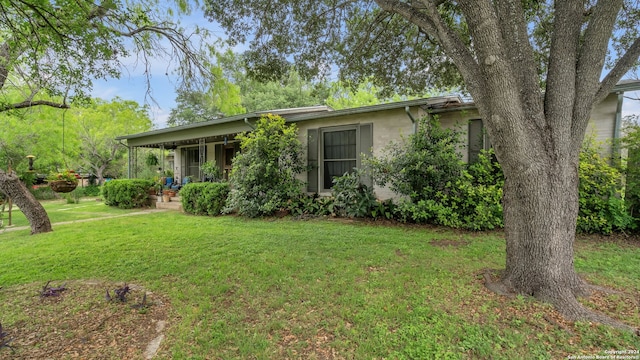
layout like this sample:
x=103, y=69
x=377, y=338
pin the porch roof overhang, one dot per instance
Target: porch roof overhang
x=171, y=138
x=215, y=130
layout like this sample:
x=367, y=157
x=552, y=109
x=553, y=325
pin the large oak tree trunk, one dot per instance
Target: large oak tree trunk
x=540, y=213
x=11, y=186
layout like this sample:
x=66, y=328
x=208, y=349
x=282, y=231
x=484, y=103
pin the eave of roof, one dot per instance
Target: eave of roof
x=626, y=85
x=434, y=104
x=440, y=101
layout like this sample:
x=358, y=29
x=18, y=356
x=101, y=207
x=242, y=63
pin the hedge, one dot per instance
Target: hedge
x=127, y=193
x=204, y=198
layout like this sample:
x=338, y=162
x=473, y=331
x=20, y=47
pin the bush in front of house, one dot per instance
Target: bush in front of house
x=127, y=193
x=351, y=197
x=602, y=206
x=205, y=198
x=422, y=164
x=313, y=205
x=438, y=188
x=472, y=201
x=631, y=142
x=263, y=179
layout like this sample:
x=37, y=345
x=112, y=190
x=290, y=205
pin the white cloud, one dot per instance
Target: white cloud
x=160, y=116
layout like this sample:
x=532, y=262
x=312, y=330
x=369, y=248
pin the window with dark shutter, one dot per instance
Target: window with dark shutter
x=336, y=151
x=478, y=140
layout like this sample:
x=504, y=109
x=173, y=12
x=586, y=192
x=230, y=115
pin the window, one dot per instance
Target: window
x=334, y=151
x=339, y=154
x=478, y=139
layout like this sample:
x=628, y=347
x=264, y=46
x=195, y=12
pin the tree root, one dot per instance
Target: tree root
x=497, y=287
x=557, y=324
x=564, y=301
x=605, y=290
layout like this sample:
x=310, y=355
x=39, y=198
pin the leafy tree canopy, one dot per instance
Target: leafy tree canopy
x=60, y=47
x=374, y=38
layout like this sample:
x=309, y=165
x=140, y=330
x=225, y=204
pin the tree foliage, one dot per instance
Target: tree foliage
x=221, y=98
x=52, y=51
x=288, y=90
x=263, y=179
x=98, y=124
x=59, y=48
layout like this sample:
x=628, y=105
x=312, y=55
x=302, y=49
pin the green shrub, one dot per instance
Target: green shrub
x=204, y=198
x=127, y=193
x=92, y=190
x=43, y=193
x=602, y=208
x=422, y=164
x=428, y=170
x=311, y=205
x=351, y=197
x=263, y=178
x=211, y=172
x=631, y=141
x=465, y=205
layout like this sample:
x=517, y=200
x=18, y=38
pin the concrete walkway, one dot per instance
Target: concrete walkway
x=142, y=212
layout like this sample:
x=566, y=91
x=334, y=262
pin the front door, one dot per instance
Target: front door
x=192, y=162
x=224, y=157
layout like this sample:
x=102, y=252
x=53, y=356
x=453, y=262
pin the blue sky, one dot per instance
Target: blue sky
x=132, y=84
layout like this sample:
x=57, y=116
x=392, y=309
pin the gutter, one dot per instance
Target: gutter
x=615, y=149
x=246, y=121
x=407, y=109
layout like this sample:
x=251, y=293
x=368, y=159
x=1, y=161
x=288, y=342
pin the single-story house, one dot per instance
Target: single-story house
x=335, y=139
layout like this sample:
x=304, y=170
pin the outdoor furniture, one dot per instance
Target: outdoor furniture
x=185, y=181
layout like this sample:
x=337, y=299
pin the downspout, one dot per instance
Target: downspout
x=615, y=149
x=413, y=120
x=246, y=121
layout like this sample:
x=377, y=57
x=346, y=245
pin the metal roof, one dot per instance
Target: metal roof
x=306, y=113
x=434, y=104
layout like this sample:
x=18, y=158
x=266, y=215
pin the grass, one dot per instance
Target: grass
x=60, y=211
x=270, y=289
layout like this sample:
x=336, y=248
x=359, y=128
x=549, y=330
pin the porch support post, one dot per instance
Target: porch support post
x=130, y=165
x=202, y=153
x=162, y=158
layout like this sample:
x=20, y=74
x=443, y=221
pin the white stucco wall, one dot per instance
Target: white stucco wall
x=391, y=125
x=388, y=126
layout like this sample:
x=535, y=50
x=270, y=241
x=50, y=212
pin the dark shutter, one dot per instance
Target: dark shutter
x=312, y=160
x=475, y=139
x=219, y=157
x=366, y=145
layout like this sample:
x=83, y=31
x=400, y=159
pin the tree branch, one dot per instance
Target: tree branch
x=520, y=53
x=622, y=67
x=27, y=104
x=591, y=56
x=431, y=23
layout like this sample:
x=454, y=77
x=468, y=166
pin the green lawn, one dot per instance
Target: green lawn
x=271, y=289
x=60, y=211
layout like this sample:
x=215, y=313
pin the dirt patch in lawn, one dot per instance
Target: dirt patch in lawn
x=449, y=243
x=80, y=323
